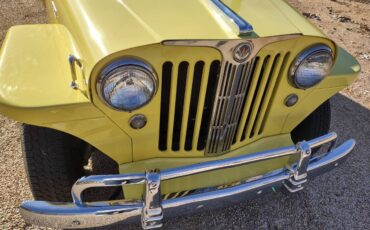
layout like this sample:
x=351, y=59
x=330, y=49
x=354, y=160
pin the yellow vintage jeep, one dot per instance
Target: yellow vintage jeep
x=136, y=110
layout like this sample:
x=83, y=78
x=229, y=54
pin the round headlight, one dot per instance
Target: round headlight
x=311, y=66
x=127, y=84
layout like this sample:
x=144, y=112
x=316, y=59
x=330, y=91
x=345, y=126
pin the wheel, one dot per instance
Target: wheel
x=315, y=125
x=55, y=160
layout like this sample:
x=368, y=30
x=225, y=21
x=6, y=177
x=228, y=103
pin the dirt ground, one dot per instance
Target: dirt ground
x=338, y=200
x=348, y=24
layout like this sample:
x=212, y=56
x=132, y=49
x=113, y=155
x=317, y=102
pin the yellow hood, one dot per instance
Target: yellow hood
x=103, y=27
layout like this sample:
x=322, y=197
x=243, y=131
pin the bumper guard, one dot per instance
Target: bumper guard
x=151, y=210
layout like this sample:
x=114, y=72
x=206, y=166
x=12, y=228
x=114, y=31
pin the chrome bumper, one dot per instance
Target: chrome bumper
x=151, y=210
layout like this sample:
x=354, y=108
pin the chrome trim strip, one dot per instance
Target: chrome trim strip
x=224, y=117
x=68, y=215
x=244, y=27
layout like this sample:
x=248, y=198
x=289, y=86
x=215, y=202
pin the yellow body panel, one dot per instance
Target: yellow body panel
x=159, y=54
x=156, y=55
x=230, y=175
x=35, y=76
x=34, y=89
x=125, y=24
x=103, y=134
x=215, y=178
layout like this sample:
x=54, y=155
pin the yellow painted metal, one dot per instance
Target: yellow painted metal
x=208, y=179
x=248, y=102
x=344, y=72
x=270, y=89
x=145, y=140
x=259, y=95
x=102, y=133
x=35, y=76
x=35, y=89
x=159, y=54
x=125, y=24
x=272, y=17
x=279, y=121
x=277, y=111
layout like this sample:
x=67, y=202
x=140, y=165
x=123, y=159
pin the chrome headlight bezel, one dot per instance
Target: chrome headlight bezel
x=126, y=62
x=305, y=54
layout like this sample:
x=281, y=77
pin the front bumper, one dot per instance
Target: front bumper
x=151, y=210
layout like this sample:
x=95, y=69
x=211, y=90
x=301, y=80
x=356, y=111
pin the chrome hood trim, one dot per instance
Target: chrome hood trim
x=244, y=27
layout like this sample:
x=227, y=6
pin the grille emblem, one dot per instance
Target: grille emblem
x=242, y=52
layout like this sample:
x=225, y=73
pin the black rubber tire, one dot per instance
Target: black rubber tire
x=53, y=161
x=315, y=125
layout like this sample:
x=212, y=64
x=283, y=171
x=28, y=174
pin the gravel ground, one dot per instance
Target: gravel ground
x=337, y=200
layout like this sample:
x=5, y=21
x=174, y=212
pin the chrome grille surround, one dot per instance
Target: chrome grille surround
x=231, y=88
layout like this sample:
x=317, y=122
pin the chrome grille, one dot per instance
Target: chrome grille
x=228, y=103
x=238, y=98
x=243, y=101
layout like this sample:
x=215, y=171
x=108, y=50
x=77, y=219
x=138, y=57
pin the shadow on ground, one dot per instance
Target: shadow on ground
x=337, y=200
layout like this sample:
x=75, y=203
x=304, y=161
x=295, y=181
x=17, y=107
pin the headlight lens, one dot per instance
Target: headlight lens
x=127, y=84
x=311, y=66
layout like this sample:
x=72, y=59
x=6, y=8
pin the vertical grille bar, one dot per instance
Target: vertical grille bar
x=213, y=79
x=279, y=73
x=264, y=73
x=179, y=108
x=251, y=81
x=186, y=108
x=231, y=93
x=201, y=104
x=267, y=93
x=214, y=105
x=258, y=75
x=171, y=119
x=236, y=104
x=165, y=105
x=194, y=101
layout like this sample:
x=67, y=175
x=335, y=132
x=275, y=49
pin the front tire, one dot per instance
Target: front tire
x=315, y=125
x=53, y=161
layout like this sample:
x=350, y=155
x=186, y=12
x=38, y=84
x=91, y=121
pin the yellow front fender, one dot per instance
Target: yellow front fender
x=35, y=79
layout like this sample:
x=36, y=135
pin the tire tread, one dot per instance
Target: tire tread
x=53, y=162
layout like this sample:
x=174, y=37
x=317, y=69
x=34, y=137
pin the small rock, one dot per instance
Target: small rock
x=344, y=19
x=365, y=56
x=365, y=27
x=312, y=16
